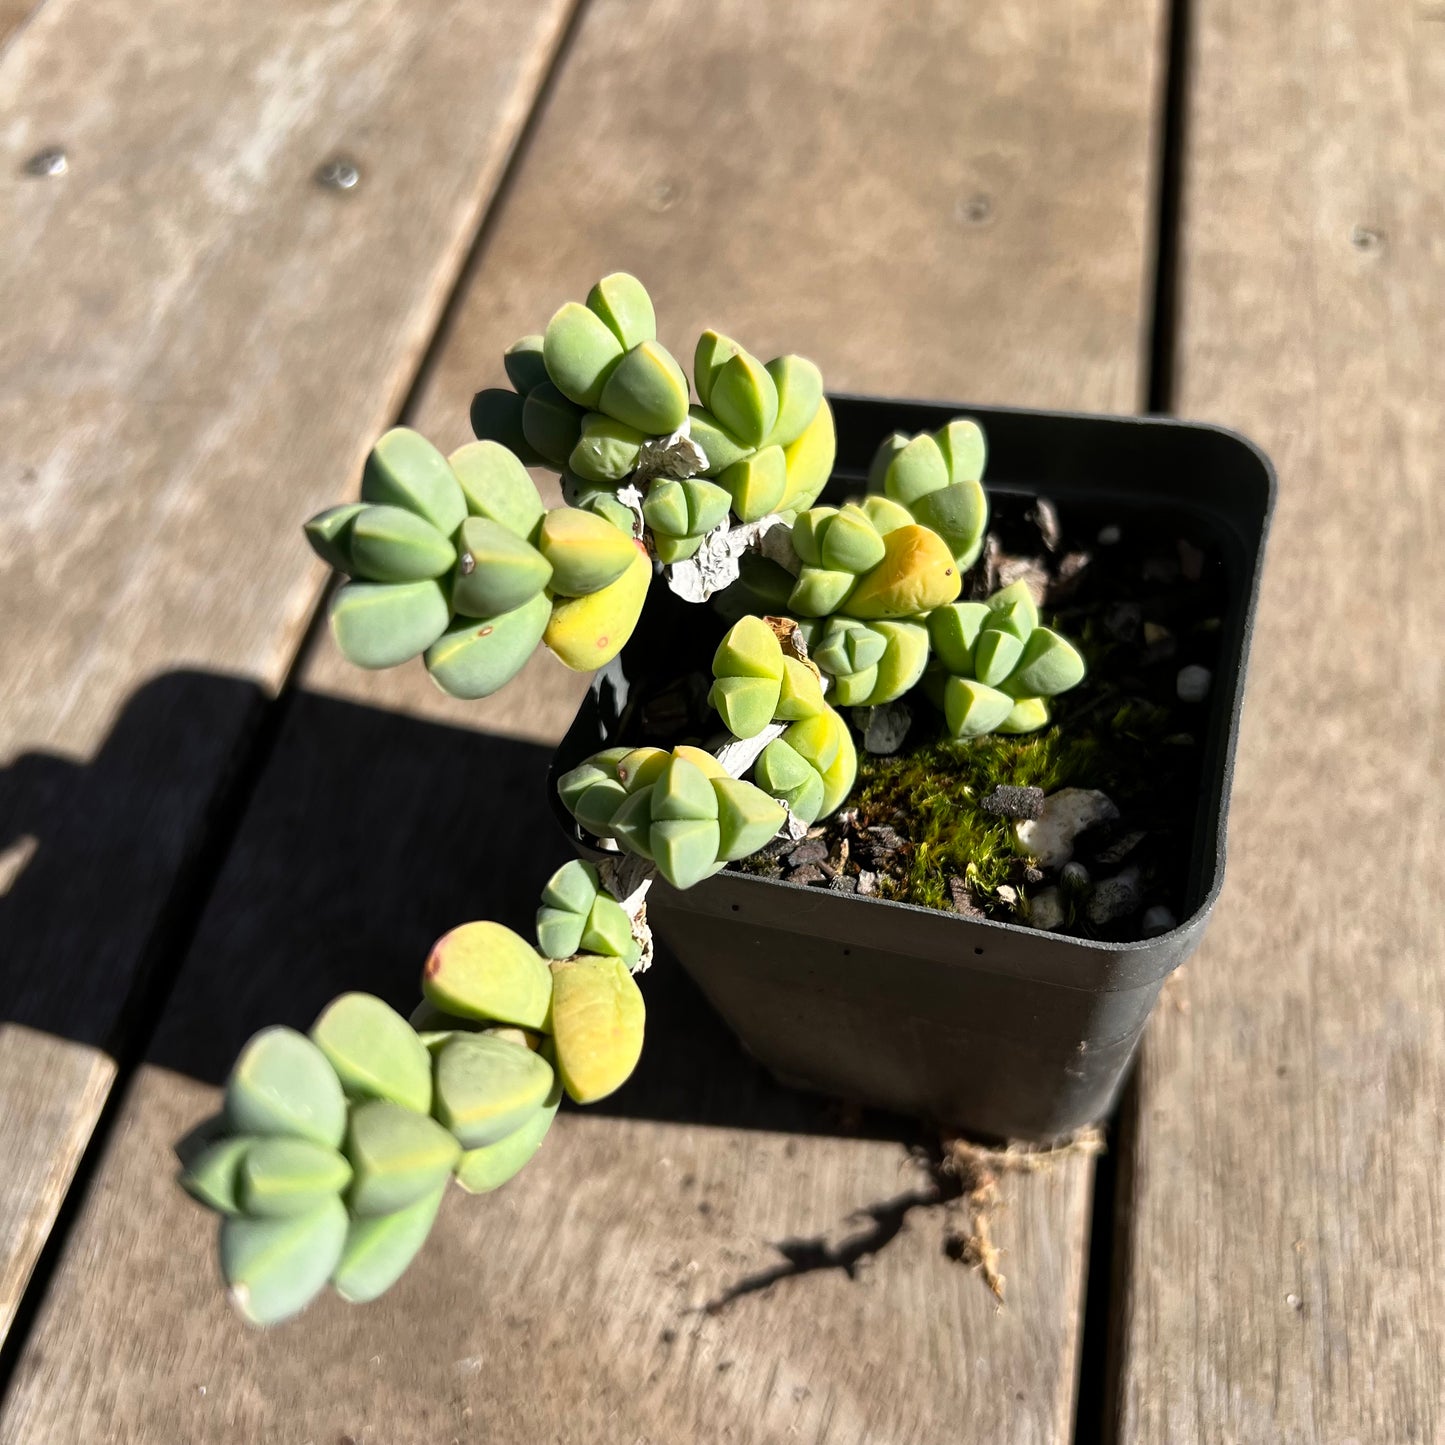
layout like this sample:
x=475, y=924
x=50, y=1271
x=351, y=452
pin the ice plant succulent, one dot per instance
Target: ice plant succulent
x=995, y=665
x=332, y=1154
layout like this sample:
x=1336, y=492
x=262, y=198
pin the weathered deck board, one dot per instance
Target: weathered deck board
x=198, y=341
x=1286, y=1217
x=793, y=189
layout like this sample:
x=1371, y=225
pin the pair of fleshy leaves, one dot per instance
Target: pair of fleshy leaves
x=937, y=478
x=766, y=430
x=578, y=915
x=756, y=682
x=1001, y=664
x=870, y=663
x=314, y=1188
x=680, y=810
x=811, y=767
x=593, y=1021
x=476, y=625
x=853, y=565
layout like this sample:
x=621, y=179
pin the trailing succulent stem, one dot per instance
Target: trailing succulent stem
x=332, y=1154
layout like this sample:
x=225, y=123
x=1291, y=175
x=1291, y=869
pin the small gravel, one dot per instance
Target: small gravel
x=1193, y=683
x=1007, y=801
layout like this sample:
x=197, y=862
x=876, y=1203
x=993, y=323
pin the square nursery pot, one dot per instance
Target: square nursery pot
x=1000, y=1029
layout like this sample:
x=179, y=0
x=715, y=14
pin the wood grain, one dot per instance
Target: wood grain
x=199, y=341
x=794, y=188
x=1285, y=1235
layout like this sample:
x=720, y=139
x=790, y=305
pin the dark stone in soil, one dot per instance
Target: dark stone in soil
x=808, y=873
x=1124, y=620
x=1120, y=848
x=1007, y=801
x=844, y=884
x=879, y=845
x=962, y=899
x=1108, y=842
x=810, y=850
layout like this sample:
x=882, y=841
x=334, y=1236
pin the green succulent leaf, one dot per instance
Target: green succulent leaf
x=496, y=570
x=964, y=449
x=283, y=1085
x=378, y=1250
x=917, y=470
x=482, y=1170
x=551, y=424
x=606, y=450
x=497, y=487
x=497, y=416
x=757, y=483
x=280, y=1178
x=374, y=1051
x=744, y=398
x=276, y=1267
x=573, y=887
x=622, y=302
x=487, y=1086
x=329, y=534
x=800, y=392
x=214, y=1175
x=685, y=849
x=397, y=1157
x=647, y=390
x=477, y=656
x=405, y=470
x=580, y=351
x=383, y=624
x=719, y=446
x=747, y=818
x=485, y=971
x=525, y=363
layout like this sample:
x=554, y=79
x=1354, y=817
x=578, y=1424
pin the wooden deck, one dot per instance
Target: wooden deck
x=200, y=343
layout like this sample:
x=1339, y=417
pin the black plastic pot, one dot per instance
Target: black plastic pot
x=1000, y=1029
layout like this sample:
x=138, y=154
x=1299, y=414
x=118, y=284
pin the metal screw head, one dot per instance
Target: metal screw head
x=338, y=174
x=52, y=161
x=975, y=210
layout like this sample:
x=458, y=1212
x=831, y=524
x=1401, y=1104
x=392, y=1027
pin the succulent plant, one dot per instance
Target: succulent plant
x=756, y=682
x=331, y=1157
x=324, y=1145
x=679, y=810
x=936, y=478
x=463, y=565
x=869, y=663
x=766, y=431
x=851, y=566
x=579, y=916
x=996, y=665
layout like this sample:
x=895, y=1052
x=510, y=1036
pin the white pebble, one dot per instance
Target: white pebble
x=1050, y=836
x=1193, y=682
x=1046, y=909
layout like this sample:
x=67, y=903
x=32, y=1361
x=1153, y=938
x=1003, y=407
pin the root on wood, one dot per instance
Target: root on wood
x=959, y=1175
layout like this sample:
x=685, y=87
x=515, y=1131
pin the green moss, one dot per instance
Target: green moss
x=932, y=793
